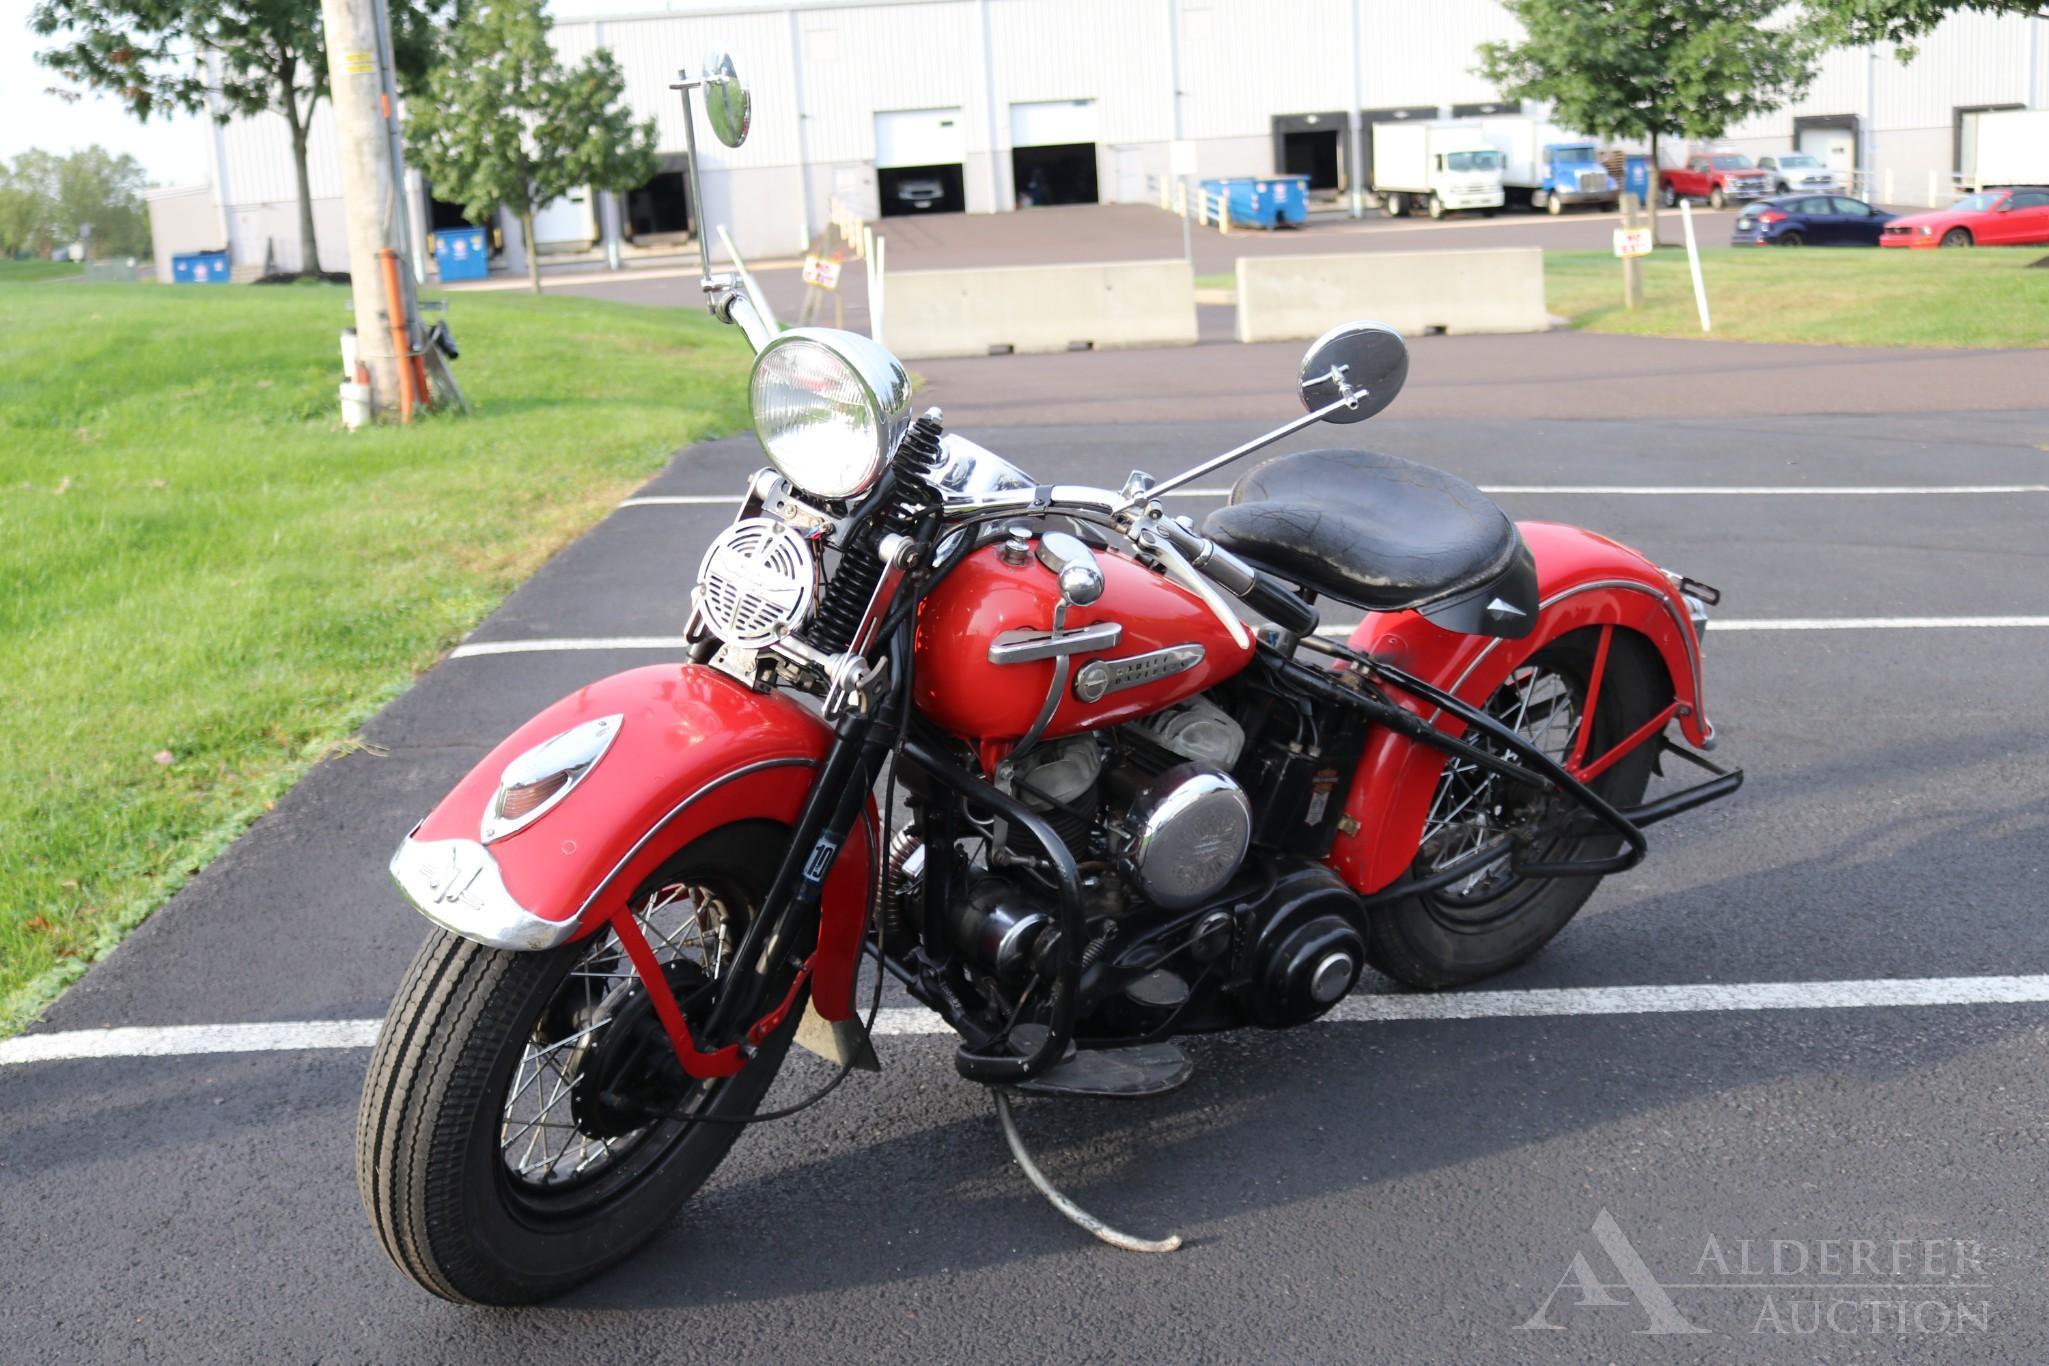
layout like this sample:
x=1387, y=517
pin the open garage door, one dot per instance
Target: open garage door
x=1053, y=152
x=660, y=208
x=918, y=156
x=1312, y=145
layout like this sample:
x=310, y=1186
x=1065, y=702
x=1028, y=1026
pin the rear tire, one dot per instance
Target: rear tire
x=1459, y=934
x=1791, y=239
x=1671, y=199
x=1397, y=206
x=1959, y=237
x=453, y=1203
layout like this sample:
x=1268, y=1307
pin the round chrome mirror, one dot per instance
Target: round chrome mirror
x=1365, y=362
x=726, y=101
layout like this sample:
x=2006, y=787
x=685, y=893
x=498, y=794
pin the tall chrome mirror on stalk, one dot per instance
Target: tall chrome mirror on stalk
x=730, y=108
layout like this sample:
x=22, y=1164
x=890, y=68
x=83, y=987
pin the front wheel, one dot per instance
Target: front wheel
x=524, y=1125
x=1436, y=205
x=1958, y=237
x=1716, y=199
x=1554, y=205
x=1670, y=197
x=1493, y=919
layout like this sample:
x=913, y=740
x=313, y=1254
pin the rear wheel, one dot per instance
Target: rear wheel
x=1397, y=205
x=1670, y=197
x=1958, y=237
x=1791, y=239
x=524, y=1124
x=1493, y=919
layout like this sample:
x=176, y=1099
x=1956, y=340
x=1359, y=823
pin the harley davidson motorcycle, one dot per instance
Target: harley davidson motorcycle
x=1079, y=774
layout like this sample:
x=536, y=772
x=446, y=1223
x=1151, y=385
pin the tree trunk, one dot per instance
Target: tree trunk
x=309, y=246
x=1650, y=191
x=533, y=257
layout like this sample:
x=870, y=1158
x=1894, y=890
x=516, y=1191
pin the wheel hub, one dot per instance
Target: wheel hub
x=629, y=1077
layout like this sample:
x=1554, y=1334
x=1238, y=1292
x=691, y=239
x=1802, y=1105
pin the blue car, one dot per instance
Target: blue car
x=1809, y=220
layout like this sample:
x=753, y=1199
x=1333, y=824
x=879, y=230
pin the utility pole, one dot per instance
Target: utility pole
x=372, y=193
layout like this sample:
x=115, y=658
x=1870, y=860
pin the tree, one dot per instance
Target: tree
x=28, y=204
x=1856, y=22
x=99, y=199
x=249, y=56
x=1653, y=68
x=49, y=201
x=502, y=125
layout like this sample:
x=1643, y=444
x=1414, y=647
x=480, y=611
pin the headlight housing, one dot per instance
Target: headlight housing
x=829, y=408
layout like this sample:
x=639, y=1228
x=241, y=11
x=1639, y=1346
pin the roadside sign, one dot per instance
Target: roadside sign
x=1632, y=242
x=823, y=271
x=1181, y=158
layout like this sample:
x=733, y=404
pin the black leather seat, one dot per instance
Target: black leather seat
x=1372, y=530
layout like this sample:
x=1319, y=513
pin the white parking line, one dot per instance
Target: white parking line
x=1601, y=490
x=472, y=649
x=308, y=1035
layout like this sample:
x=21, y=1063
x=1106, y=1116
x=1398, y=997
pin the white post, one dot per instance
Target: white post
x=1693, y=261
x=1933, y=191
x=1888, y=187
x=878, y=289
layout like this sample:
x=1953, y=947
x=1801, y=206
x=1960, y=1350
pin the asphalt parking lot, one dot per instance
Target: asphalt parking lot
x=1373, y=1188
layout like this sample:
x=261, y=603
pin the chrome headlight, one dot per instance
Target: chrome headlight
x=829, y=408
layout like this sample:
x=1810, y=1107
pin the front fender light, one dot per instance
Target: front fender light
x=536, y=782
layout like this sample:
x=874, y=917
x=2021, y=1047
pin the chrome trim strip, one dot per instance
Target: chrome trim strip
x=1026, y=645
x=678, y=809
x=1100, y=677
x=1634, y=586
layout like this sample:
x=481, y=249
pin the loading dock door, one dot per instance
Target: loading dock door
x=918, y=156
x=1313, y=145
x=663, y=204
x=1053, y=152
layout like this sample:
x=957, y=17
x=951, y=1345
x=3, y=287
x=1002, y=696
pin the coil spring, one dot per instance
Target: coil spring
x=860, y=568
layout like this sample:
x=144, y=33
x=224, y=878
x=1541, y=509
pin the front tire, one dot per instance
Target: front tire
x=1493, y=920
x=1716, y=199
x=1958, y=237
x=1553, y=205
x=1670, y=197
x=1436, y=205
x=470, y=1090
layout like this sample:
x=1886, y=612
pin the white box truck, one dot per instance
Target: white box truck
x=1440, y=168
x=2013, y=149
x=1545, y=166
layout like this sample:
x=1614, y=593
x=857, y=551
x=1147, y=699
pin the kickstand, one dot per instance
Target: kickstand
x=1060, y=1202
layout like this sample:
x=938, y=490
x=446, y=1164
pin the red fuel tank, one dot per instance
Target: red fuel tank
x=969, y=696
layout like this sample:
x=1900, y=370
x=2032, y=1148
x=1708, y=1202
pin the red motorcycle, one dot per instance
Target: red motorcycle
x=1079, y=775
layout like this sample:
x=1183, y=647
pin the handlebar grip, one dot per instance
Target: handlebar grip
x=1273, y=601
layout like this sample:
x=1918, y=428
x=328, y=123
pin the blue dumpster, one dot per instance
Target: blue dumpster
x=460, y=254
x=1636, y=177
x=1262, y=201
x=199, y=268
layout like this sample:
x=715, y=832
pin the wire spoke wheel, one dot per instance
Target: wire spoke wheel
x=556, y=1131
x=525, y=1123
x=1489, y=918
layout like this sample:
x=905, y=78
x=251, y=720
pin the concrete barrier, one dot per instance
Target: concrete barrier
x=1497, y=289
x=936, y=313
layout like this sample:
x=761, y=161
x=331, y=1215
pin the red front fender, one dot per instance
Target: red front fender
x=1583, y=580
x=695, y=750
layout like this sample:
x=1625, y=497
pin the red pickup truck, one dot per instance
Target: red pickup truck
x=1716, y=177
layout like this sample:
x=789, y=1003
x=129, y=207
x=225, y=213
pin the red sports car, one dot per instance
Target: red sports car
x=1989, y=218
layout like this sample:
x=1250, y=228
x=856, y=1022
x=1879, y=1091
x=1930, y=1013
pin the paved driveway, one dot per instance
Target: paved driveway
x=1378, y=1188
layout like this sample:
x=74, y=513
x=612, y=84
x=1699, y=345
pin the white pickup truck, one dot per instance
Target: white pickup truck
x=1440, y=168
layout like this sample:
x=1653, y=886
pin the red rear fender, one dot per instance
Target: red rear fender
x=1584, y=579
x=694, y=750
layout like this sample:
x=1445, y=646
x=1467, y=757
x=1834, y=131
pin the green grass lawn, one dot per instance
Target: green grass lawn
x=28, y=272
x=1831, y=296
x=1834, y=296
x=205, y=584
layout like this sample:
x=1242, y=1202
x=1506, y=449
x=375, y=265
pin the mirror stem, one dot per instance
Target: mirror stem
x=1308, y=419
x=696, y=184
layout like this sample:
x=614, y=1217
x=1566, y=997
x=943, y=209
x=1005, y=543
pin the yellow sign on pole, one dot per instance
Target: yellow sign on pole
x=822, y=271
x=1632, y=242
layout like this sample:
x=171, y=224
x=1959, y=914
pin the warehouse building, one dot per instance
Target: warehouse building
x=912, y=107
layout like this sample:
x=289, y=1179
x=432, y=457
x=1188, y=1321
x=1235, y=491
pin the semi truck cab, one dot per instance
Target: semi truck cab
x=1573, y=175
